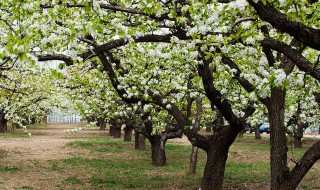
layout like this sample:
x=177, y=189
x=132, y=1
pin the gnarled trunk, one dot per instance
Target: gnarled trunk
x=217, y=155
x=127, y=133
x=139, y=141
x=158, y=155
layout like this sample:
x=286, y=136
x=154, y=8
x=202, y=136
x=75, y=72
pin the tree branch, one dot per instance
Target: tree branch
x=294, y=55
x=305, y=34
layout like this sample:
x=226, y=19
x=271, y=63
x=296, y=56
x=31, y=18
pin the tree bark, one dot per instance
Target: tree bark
x=278, y=139
x=3, y=123
x=112, y=125
x=158, y=155
x=117, y=132
x=298, y=133
x=111, y=130
x=193, y=160
x=127, y=133
x=217, y=154
x=140, y=141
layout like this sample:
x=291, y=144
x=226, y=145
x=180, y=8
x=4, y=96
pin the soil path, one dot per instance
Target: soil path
x=30, y=158
x=45, y=143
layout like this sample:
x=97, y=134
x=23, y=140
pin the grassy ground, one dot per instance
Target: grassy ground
x=107, y=163
x=116, y=166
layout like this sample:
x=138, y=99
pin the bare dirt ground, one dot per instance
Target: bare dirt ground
x=45, y=143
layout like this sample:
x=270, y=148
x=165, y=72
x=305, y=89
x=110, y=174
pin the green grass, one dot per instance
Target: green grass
x=114, y=164
x=36, y=126
x=9, y=169
x=73, y=180
x=241, y=172
x=14, y=134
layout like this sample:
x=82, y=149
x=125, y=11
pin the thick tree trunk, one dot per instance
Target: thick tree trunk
x=139, y=141
x=213, y=175
x=193, y=160
x=278, y=140
x=158, y=155
x=217, y=155
x=117, y=132
x=111, y=130
x=3, y=123
x=127, y=133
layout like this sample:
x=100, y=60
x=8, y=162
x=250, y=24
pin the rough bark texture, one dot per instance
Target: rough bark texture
x=140, y=141
x=158, y=151
x=217, y=155
x=307, y=35
x=3, y=123
x=193, y=160
x=127, y=133
x=278, y=139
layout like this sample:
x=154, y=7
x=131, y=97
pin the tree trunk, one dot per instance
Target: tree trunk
x=278, y=139
x=217, y=154
x=139, y=141
x=242, y=132
x=117, y=132
x=111, y=130
x=3, y=123
x=214, y=170
x=158, y=155
x=257, y=134
x=193, y=160
x=298, y=134
x=102, y=124
x=297, y=142
x=127, y=133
